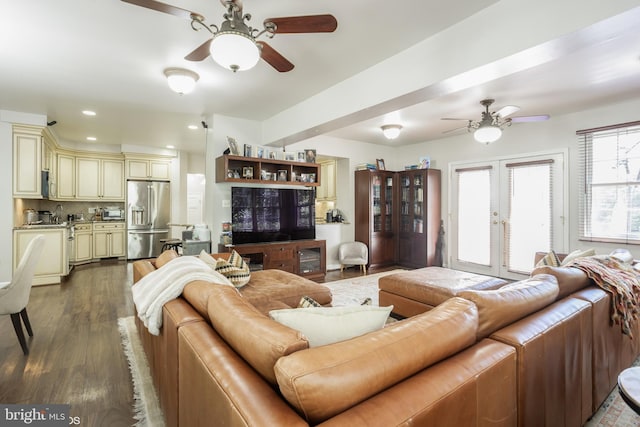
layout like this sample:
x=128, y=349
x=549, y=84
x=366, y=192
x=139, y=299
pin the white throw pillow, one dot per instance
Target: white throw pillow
x=326, y=325
x=578, y=253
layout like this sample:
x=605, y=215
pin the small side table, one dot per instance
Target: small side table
x=629, y=387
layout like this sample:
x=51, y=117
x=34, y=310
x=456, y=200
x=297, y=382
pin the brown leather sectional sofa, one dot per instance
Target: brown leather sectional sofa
x=219, y=360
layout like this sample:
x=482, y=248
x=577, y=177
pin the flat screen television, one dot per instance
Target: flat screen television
x=261, y=215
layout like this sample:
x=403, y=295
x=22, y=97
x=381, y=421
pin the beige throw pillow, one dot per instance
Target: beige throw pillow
x=326, y=325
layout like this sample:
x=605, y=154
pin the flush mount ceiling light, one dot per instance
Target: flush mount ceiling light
x=391, y=131
x=181, y=80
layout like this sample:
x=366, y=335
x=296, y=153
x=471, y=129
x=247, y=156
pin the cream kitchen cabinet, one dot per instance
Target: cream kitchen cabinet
x=54, y=261
x=83, y=243
x=148, y=169
x=64, y=187
x=108, y=240
x=327, y=188
x=27, y=162
x=99, y=179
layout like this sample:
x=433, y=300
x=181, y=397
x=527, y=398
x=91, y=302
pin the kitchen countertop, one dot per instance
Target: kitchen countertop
x=40, y=226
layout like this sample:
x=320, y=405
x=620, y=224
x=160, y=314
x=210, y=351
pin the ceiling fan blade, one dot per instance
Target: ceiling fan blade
x=164, y=8
x=523, y=119
x=507, y=110
x=200, y=53
x=456, y=129
x=273, y=58
x=304, y=24
x=451, y=118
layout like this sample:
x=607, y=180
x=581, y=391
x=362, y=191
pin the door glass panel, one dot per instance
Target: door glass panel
x=529, y=215
x=474, y=216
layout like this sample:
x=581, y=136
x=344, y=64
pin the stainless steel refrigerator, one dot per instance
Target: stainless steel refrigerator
x=148, y=217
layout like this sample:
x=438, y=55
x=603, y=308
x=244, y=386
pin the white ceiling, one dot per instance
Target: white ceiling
x=60, y=57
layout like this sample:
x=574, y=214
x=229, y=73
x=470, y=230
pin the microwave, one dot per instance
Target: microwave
x=112, y=214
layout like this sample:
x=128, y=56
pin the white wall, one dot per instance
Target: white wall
x=557, y=133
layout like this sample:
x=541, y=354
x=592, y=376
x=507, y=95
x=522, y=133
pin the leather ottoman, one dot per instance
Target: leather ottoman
x=416, y=291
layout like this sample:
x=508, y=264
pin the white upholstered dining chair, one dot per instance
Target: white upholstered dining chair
x=14, y=295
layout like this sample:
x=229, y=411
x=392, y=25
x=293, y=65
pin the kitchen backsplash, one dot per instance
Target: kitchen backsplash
x=68, y=208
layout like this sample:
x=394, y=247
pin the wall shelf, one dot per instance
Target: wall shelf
x=252, y=170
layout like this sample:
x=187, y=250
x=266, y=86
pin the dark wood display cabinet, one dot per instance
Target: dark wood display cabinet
x=266, y=171
x=375, y=221
x=398, y=216
x=418, y=216
x=305, y=258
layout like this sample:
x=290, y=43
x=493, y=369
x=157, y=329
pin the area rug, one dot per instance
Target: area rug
x=355, y=290
x=147, y=412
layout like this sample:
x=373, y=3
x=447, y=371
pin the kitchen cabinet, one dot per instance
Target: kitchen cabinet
x=54, y=261
x=327, y=189
x=82, y=244
x=27, y=162
x=99, y=179
x=156, y=169
x=108, y=240
x=64, y=187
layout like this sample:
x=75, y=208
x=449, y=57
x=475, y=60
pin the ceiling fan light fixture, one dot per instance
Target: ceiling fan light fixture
x=487, y=134
x=391, y=131
x=234, y=50
x=181, y=80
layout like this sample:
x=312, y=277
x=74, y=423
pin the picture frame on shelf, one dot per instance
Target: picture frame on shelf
x=310, y=155
x=289, y=156
x=233, y=146
x=272, y=154
x=247, y=150
x=302, y=156
x=380, y=164
x=282, y=175
x=247, y=172
x=260, y=152
x=425, y=162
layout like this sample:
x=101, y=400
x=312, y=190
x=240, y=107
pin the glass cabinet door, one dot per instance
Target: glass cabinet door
x=418, y=204
x=376, y=189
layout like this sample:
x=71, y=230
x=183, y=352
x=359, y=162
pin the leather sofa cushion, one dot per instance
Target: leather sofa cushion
x=323, y=381
x=501, y=307
x=570, y=279
x=259, y=340
x=165, y=257
x=434, y=285
x=289, y=288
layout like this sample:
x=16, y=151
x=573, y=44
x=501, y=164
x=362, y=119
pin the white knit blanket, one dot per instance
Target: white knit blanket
x=155, y=289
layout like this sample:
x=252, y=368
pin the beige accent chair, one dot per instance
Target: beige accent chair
x=353, y=253
x=14, y=295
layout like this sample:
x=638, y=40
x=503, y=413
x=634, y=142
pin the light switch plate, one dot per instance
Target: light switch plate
x=226, y=203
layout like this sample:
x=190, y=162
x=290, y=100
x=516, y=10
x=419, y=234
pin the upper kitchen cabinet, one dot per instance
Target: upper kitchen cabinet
x=138, y=168
x=99, y=179
x=327, y=188
x=27, y=162
x=64, y=185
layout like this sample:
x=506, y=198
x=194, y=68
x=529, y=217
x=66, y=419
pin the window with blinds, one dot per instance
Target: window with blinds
x=610, y=176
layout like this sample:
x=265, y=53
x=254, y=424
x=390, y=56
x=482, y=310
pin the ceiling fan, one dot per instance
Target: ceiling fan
x=234, y=43
x=489, y=128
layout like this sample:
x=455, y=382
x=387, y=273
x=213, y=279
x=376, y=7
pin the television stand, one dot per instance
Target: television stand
x=306, y=258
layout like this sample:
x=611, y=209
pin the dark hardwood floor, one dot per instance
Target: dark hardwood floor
x=76, y=355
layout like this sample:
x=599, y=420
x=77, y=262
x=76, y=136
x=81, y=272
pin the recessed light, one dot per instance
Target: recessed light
x=92, y=138
x=171, y=147
x=89, y=113
x=193, y=127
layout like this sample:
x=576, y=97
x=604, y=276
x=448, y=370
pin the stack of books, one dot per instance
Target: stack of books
x=366, y=166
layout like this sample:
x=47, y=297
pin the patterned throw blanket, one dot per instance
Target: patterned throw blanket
x=621, y=281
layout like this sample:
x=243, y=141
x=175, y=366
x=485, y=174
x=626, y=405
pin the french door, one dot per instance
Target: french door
x=504, y=211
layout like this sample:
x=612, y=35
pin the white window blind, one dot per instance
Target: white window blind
x=610, y=176
x=474, y=215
